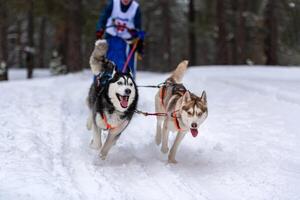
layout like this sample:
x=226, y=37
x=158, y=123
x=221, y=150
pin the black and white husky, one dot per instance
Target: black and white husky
x=112, y=100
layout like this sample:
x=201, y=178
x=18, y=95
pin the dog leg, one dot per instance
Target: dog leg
x=174, y=148
x=110, y=140
x=96, y=142
x=165, y=137
x=112, y=137
x=89, y=122
x=158, y=131
x=159, y=120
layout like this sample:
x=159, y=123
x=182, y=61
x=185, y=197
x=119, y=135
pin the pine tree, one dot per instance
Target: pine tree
x=271, y=41
x=3, y=41
x=74, y=30
x=222, y=51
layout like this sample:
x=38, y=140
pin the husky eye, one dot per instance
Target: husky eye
x=119, y=83
x=189, y=113
x=130, y=84
x=199, y=114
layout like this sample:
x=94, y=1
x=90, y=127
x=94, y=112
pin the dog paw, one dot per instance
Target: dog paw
x=95, y=145
x=89, y=124
x=164, y=149
x=172, y=161
x=103, y=156
x=157, y=140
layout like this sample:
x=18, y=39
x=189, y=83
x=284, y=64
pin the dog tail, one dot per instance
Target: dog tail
x=97, y=57
x=177, y=75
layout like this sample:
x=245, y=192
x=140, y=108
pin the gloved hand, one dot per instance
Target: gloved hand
x=140, y=47
x=140, y=35
x=99, y=34
x=137, y=34
x=133, y=33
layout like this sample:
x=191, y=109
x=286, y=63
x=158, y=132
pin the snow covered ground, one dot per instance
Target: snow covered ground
x=21, y=74
x=249, y=147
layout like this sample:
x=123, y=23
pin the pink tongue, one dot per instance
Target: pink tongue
x=124, y=102
x=194, y=132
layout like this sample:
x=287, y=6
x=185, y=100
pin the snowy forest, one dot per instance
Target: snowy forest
x=41, y=33
x=207, y=32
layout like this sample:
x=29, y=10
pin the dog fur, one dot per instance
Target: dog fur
x=116, y=100
x=187, y=108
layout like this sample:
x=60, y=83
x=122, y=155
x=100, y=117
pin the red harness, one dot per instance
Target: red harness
x=108, y=126
x=176, y=122
x=173, y=115
x=162, y=95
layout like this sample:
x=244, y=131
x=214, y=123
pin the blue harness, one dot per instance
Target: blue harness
x=103, y=78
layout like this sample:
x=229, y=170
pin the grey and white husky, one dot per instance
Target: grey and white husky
x=112, y=102
x=186, y=111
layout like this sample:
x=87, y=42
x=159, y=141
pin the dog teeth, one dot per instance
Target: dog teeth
x=124, y=98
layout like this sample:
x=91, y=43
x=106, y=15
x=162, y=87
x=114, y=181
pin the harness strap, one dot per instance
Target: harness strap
x=151, y=114
x=130, y=55
x=173, y=115
x=162, y=95
x=176, y=122
x=108, y=126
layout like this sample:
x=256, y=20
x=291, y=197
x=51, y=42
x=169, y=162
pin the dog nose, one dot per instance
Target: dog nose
x=128, y=91
x=194, y=125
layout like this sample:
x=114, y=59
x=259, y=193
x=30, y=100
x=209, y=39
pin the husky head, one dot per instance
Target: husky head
x=193, y=111
x=122, y=91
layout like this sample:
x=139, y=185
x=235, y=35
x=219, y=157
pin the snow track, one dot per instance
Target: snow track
x=247, y=149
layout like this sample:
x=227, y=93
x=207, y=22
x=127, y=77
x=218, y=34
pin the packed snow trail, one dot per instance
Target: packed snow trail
x=247, y=149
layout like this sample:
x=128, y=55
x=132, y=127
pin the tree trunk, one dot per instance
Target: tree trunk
x=41, y=61
x=19, y=45
x=239, y=44
x=192, y=35
x=146, y=60
x=74, y=19
x=3, y=41
x=222, y=54
x=271, y=25
x=167, y=37
x=30, y=41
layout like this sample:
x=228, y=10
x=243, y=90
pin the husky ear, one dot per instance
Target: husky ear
x=186, y=96
x=203, y=97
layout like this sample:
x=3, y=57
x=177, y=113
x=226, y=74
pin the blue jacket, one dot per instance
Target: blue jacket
x=106, y=13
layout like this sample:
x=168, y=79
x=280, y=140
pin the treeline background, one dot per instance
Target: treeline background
x=207, y=32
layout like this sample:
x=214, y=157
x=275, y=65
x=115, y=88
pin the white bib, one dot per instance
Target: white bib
x=119, y=20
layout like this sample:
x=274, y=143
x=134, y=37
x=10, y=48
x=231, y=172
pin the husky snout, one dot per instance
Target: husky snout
x=194, y=125
x=128, y=91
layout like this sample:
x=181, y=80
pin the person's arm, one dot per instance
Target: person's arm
x=105, y=14
x=138, y=27
x=138, y=19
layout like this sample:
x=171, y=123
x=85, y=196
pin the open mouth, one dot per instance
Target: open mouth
x=194, y=132
x=123, y=100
